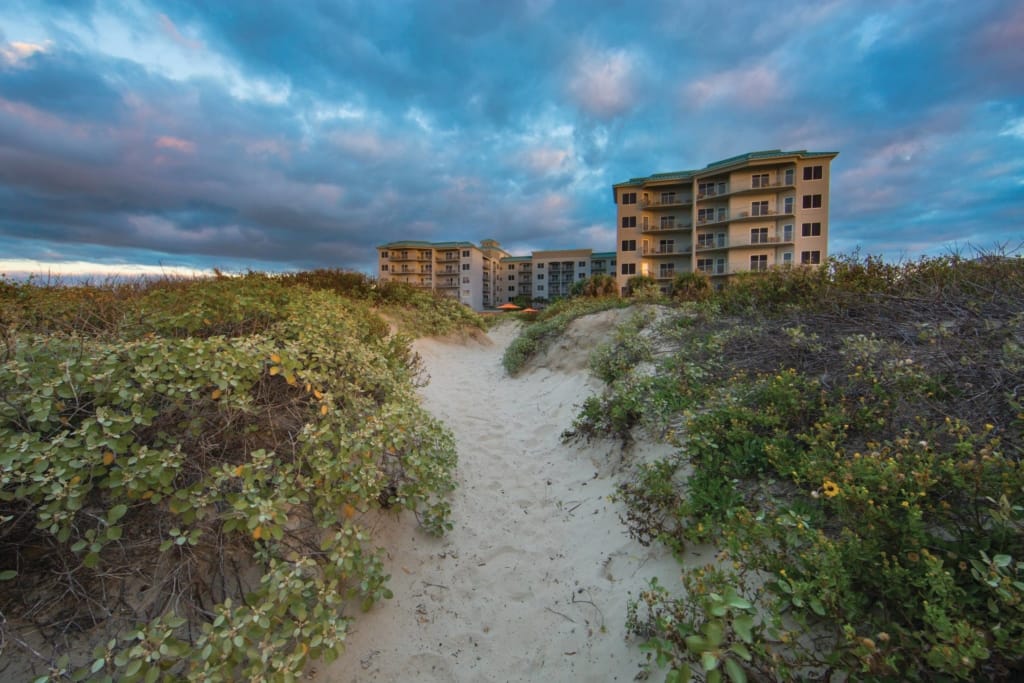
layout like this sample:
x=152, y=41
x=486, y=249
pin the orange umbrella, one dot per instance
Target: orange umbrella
x=529, y=310
x=508, y=307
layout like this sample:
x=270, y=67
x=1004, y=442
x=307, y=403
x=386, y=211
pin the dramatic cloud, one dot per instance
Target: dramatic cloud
x=276, y=136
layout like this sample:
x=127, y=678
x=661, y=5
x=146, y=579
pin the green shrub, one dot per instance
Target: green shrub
x=855, y=447
x=213, y=453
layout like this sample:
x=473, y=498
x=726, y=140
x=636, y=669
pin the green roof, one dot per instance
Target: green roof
x=517, y=259
x=741, y=158
x=416, y=244
x=603, y=255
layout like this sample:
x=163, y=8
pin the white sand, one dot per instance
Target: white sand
x=532, y=583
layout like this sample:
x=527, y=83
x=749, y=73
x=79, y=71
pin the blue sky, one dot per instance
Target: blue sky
x=279, y=135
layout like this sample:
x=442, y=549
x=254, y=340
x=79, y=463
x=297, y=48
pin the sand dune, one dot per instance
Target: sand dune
x=532, y=583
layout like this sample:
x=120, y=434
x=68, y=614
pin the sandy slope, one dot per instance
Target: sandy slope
x=532, y=583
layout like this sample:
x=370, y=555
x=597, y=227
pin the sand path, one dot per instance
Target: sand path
x=532, y=583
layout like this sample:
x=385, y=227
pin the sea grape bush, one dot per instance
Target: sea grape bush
x=212, y=455
x=850, y=439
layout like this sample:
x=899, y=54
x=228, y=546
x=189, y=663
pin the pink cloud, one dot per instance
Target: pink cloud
x=603, y=82
x=177, y=144
x=172, y=32
x=747, y=86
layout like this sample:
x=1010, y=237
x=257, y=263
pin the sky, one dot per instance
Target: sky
x=277, y=135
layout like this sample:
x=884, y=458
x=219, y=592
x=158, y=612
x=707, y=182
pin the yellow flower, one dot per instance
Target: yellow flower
x=830, y=488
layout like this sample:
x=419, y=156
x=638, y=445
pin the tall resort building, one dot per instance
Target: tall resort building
x=745, y=213
x=486, y=276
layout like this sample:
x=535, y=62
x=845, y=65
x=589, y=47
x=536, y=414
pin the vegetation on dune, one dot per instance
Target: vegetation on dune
x=546, y=326
x=184, y=466
x=851, y=438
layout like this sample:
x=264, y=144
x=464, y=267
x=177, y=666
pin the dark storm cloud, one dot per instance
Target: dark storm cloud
x=276, y=133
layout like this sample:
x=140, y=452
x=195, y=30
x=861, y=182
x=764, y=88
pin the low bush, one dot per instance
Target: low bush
x=184, y=492
x=852, y=444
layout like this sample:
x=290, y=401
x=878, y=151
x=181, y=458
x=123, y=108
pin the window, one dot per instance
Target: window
x=705, y=240
x=540, y=276
x=666, y=270
x=759, y=180
x=581, y=264
x=722, y=214
x=581, y=276
x=629, y=197
x=705, y=265
x=710, y=189
x=787, y=205
x=405, y=254
x=789, y=176
x=511, y=266
x=759, y=208
x=810, y=257
x=540, y=265
x=705, y=215
x=465, y=280
x=810, y=230
x=465, y=253
x=787, y=258
x=812, y=172
x=383, y=254
x=666, y=246
x=668, y=197
x=759, y=236
x=629, y=221
x=629, y=269
x=384, y=267
x=787, y=233
x=511, y=278
x=465, y=266
x=628, y=245
x=812, y=201
x=512, y=288
x=759, y=262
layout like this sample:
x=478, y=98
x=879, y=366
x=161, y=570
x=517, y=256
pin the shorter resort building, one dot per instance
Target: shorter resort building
x=486, y=276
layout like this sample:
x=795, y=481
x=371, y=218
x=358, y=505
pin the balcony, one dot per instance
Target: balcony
x=713, y=193
x=713, y=244
x=452, y=257
x=764, y=213
x=666, y=202
x=770, y=186
x=674, y=250
x=448, y=284
x=409, y=256
x=666, y=227
x=722, y=217
x=762, y=241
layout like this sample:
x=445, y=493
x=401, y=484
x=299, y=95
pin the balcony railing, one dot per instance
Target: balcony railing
x=762, y=213
x=449, y=284
x=773, y=239
x=683, y=249
x=447, y=258
x=664, y=202
x=713, y=194
x=711, y=220
x=396, y=256
x=665, y=227
x=716, y=244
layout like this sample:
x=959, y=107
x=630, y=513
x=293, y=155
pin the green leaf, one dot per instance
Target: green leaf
x=741, y=651
x=91, y=560
x=1002, y=560
x=114, y=533
x=709, y=660
x=116, y=513
x=714, y=676
x=744, y=625
x=735, y=671
x=816, y=605
x=8, y=574
x=715, y=633
x=696, y=644
x=98, y=664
